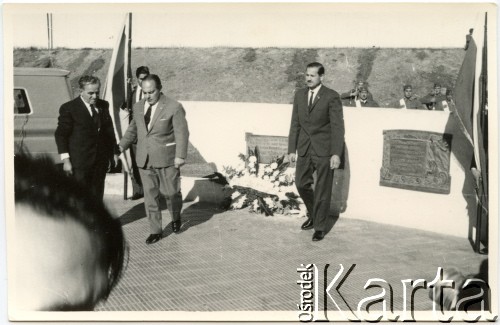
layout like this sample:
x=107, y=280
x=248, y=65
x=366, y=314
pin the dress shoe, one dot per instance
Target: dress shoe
x=308, y=224
x=153, y=238
x=318, y=235
x=176, y=226
x=137, y=196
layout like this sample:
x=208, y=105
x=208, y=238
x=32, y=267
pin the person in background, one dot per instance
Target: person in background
x=364, y=100
x=349, y=98
x=69, y=250
x=447, y=105
x=161, y=131
x=431, y=101
x=85, y=136
x=409, y=101
x=316, y=139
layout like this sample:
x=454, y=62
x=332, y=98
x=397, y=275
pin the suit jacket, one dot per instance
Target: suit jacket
x=167, y=137
x=78, y=135
x=133, y=95
x=322, y=127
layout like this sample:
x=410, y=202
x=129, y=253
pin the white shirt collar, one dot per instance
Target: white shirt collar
x=315, y=90
x=88, y=106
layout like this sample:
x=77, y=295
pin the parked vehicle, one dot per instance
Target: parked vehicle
x=38, y=94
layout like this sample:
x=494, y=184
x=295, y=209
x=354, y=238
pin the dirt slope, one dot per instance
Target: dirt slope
x=266, y=75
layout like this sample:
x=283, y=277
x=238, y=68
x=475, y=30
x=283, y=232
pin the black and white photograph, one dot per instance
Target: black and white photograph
x=263, y=162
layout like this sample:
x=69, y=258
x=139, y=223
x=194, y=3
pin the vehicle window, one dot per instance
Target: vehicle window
x=21, y=103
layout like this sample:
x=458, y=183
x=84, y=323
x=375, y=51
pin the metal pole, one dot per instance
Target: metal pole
x=51, y=34
x=48, y=31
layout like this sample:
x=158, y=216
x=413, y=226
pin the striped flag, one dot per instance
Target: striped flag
x=117, y=88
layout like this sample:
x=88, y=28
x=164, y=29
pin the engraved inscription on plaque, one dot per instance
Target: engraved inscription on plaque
x=408, y=157
x=270, y=146
x=416, y=160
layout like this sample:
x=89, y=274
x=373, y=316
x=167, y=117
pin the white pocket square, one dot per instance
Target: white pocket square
x=170, y=144
x=163, y=119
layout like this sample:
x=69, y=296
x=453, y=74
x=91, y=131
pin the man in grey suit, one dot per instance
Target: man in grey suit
x=317, y=135
x=160, y=128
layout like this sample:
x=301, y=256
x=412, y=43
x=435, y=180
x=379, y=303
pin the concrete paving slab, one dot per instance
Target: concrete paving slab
x=240, y=261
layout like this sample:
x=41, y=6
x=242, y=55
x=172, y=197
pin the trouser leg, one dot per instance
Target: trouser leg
x=92, y=178
x=170, y=186
x=322, y=191
x=304, y=180
x=151, y=183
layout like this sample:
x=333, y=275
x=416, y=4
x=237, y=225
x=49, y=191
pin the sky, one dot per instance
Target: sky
x=246, y=24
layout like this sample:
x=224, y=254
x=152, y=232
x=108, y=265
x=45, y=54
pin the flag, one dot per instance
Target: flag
x=117, y=87
x=480, y=133
x=464, y=89
x=117, y=90
x=471, y=99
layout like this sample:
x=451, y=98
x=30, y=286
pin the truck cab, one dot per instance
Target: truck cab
x=38, y=95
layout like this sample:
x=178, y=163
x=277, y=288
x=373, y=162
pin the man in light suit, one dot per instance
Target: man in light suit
x=85, y=137
x=162, y=134
x=317, y=136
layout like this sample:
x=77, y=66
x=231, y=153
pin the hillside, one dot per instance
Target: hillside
x=264, y=75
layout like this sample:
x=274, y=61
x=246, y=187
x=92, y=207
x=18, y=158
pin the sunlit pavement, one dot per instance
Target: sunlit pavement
x=236, y=260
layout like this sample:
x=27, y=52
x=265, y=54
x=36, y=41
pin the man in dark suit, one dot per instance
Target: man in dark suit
x=317, y=135
x=161, y=131
x=85, y=136
x=136, y=96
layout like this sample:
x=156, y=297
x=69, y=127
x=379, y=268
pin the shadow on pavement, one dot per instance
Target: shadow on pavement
x=194, y=215
x=137, y=212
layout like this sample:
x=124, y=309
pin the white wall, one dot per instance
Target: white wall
x=218, y=132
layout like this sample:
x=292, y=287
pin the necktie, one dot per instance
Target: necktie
x=147, y=116
x=140, y=94
x=311, y=99
x=95, y=116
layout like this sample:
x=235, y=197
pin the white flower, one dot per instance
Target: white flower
x=268, y=170
x=244, y=172
x=266, y=177
x=238, y=204
x=269, y=202
x=276, y=173
x=277, y=183
x=274, y=166
x=235, y=195
x=252, y=170
x=251, y=165
x=255, y=205
x=252, y=159
x=282, y=178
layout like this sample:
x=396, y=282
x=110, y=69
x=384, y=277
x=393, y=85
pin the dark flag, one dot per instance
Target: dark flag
x=471, y=99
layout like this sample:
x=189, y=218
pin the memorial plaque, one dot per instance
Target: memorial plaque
x=270, y=146
x=416, y=160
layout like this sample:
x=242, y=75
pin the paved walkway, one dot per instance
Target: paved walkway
x=236, y=260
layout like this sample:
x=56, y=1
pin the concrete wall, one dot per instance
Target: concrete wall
x=218, y=132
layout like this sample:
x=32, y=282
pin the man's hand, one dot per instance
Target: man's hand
x=116, y=159
x=334, y=162
x=178, y=162
x=291, y=157
x=67, y=166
